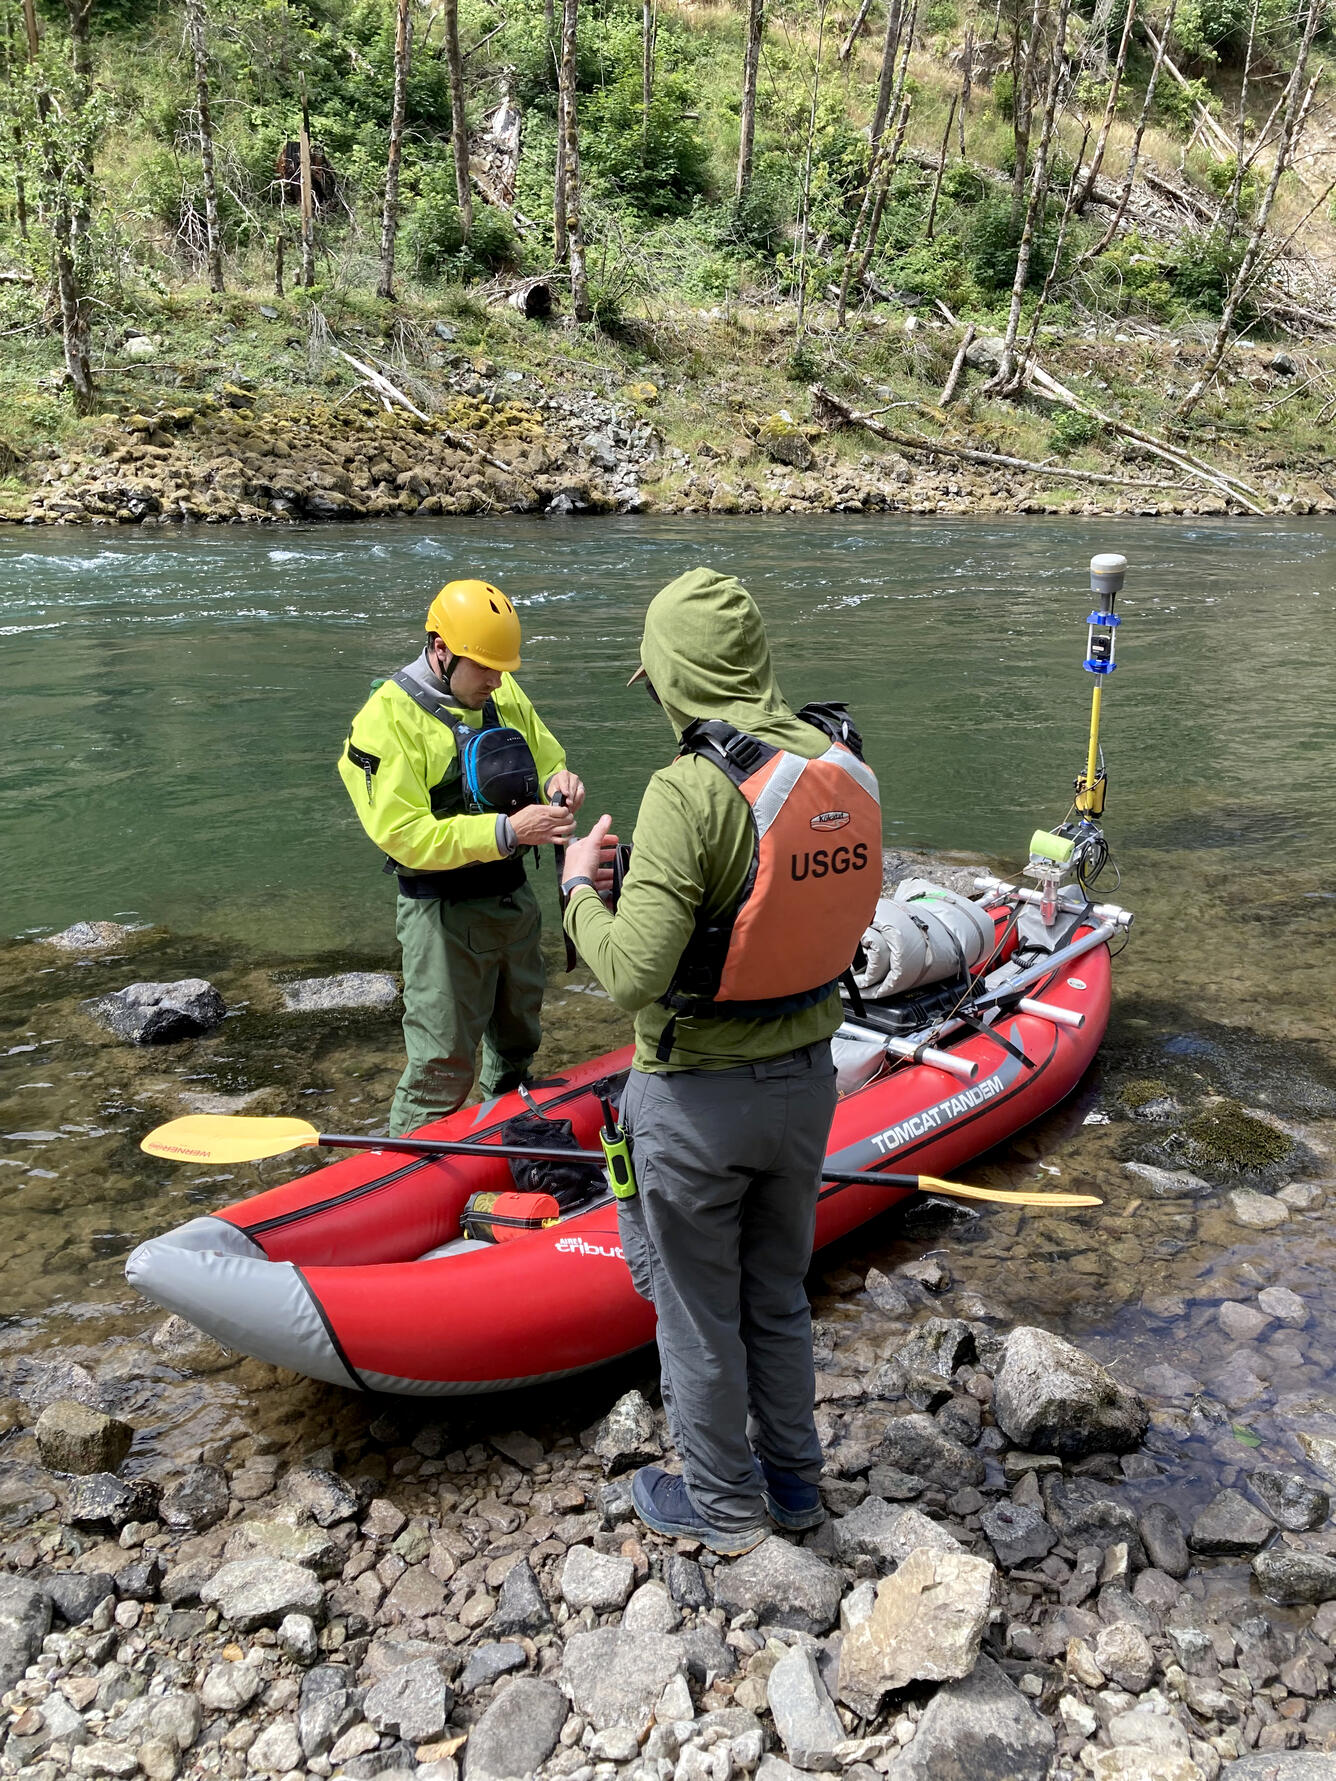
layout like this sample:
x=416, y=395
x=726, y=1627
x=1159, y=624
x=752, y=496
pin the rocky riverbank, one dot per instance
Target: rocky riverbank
x=554, y=441
x=1000, y=1590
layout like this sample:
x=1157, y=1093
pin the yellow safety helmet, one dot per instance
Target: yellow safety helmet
x=475, y=619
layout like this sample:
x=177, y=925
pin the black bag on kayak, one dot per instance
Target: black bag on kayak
x=570, y=1184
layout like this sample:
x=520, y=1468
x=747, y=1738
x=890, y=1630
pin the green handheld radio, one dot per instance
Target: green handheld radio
x=617, y=1153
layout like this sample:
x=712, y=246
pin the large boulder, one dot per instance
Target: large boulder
x=518, y=1731
x=783, y=1585
x=73, y=1437
x=1049, y=1397
x=198, y=1499
x=979, y=1729
x=1289, y=1499
x=917, y=1445
x=925, y=1626
x=101, y=1500
x=350, y=989
x=782, y=438
x=1230, y=1526
x=158, y=1013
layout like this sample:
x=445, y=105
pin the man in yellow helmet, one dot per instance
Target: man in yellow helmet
x=453, y=774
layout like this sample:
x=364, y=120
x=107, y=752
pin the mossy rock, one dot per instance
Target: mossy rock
x=785, y=440
x=646, y=393
x=1142, y=1091
x=1227, y=1136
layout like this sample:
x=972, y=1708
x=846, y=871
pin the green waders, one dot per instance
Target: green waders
x=473, y=973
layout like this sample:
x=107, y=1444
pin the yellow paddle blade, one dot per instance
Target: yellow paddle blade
x=227, y=1138
x=929, y=1184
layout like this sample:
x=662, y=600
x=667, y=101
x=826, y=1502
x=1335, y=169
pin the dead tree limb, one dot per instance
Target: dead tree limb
x=1125, y=196
x=391, y=393
x=1294, y=108
x=459, y=121
x=389, y=221
x=1110, y=106
x=200, y=59
x=831, y=407
x=855, y=30
x=751, y=62
x=957, y=371
x=941, y=166
x=1221, y=145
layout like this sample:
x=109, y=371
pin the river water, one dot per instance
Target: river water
x=174, y=706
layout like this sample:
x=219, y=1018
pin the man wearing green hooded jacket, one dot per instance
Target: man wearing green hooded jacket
x=729, y=1116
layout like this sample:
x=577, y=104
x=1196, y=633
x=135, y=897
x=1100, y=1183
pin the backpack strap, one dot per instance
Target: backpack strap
x=833, y=720
x=733, y=751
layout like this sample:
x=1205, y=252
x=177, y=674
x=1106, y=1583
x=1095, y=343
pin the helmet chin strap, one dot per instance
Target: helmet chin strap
x=452, y=662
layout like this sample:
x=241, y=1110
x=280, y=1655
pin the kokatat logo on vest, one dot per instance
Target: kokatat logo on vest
x=831, y=819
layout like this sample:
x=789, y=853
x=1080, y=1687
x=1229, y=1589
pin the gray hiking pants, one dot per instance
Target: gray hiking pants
x=719, y=1238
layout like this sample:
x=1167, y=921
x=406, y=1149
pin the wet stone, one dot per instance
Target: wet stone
x=88, y=936
x=1289, y=1500
x=73, y=1437
x=1242, y=1323
x=783, y=1585
x=1162, y=1535
x=1285, y=1306
x=915, y=1444
x=1017, y=1535
x=937, y=1346
x=887, y=1294
x=101, y=1500
x=325, y=1497
x=1051, y=1396
x=197, y=1500
x=1256, y=1212
x=350, y=989
x=187, y=1349
x=1291, y=1577
x=159, y=1013
x=1230, y=1525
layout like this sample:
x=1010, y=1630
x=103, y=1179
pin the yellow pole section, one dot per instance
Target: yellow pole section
x=1092, y=753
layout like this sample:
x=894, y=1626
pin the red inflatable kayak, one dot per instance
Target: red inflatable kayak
x=358, y=1274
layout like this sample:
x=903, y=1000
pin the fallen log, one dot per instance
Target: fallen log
x=389, y=392
x=828, y=407
x=952, y=383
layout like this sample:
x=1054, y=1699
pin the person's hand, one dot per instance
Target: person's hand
x=592, y=856
x=538, y=823
x=570, y=785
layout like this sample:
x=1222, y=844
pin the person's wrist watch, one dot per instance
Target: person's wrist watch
x=569, y=884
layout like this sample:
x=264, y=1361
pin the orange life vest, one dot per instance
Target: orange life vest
x=814, y=881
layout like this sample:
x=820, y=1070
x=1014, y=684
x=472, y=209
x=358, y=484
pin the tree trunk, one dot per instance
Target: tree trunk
x=857, y=260
x=807, y=170
x=966, y=86
x=389, y=216
x=78, y=13
x=308, y=200
x=1002, y=383
x=649, y=31
x=1295, y=109
x=213, y=234
x=73, y=314
x=1102, y=140
x=1230, y=211
x=278, y=262
x=570, y=18
x=855, y=30
x=751, y=62
x=941, y=166
x=1024, y=61
x=890, y=49
x=20, y=189
x=459, y=119
x=1125, y=196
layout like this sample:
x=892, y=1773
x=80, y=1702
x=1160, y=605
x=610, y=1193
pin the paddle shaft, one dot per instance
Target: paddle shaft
x=559, y=855
x=440, y=1147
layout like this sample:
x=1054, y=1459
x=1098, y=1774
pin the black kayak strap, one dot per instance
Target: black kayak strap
x=452, y=716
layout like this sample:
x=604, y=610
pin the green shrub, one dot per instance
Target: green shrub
x=1214, y=29
x=760, y=220
x=1072, y=431
x=963, y=184
x=992, y=240
x=434, y=237
x=1203, y=268
x=657, y=164
x=930, y=269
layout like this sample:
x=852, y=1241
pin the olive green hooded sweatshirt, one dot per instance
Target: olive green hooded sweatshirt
x=706, y=655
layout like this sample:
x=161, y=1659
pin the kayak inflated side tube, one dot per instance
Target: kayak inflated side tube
x=221, y=1280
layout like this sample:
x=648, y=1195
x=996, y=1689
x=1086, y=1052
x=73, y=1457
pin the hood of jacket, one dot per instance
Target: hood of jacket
x=706, y=653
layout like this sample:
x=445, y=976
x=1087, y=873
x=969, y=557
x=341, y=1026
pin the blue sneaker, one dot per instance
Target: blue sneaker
x=790, y=1500
x=662, y=1502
